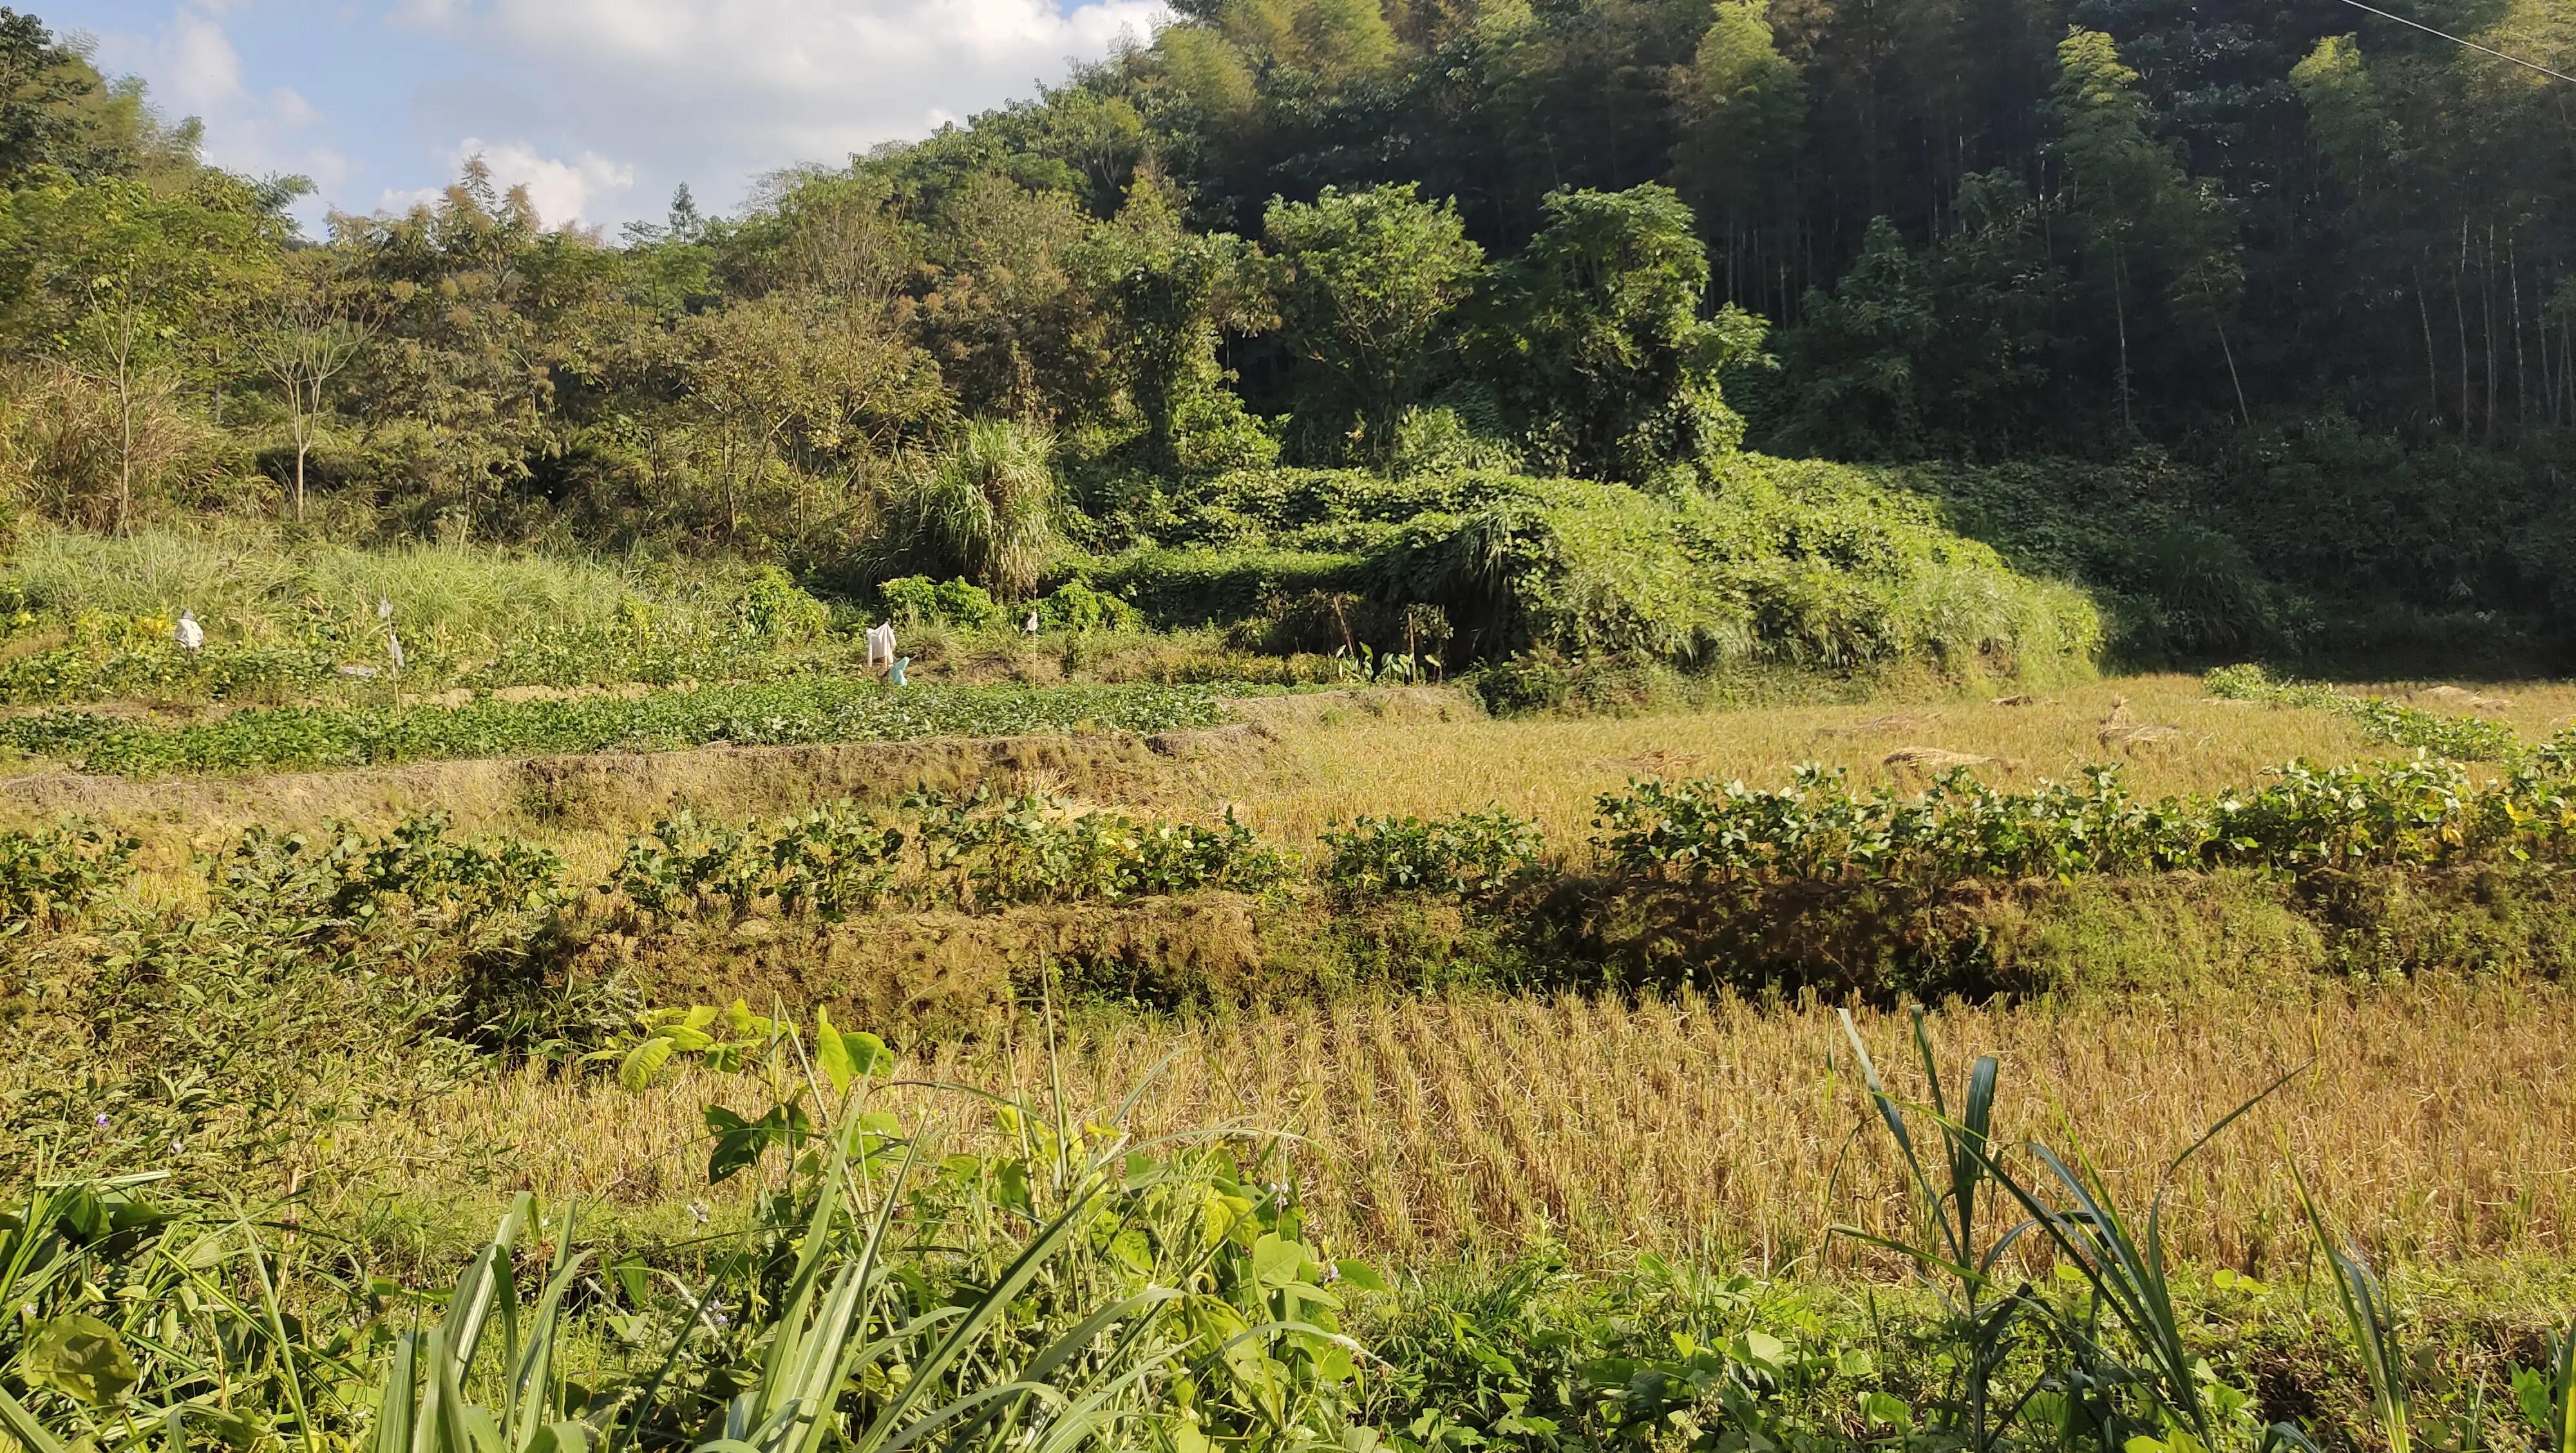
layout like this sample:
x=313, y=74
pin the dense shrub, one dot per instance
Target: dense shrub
x=918, y=600
x=1470, y=853
x=1809, y=564
x=1075, y=606
x=1189, y=587
x=54, y=874
x=778, y=610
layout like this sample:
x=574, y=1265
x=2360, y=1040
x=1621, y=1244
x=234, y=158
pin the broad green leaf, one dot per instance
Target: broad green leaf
x=831, y=1055
x=1882, y=1407
x=1762, y=1350
x=644, y=1061
x=1277, y=1261
x=82, y=1358
x=1360, y=1274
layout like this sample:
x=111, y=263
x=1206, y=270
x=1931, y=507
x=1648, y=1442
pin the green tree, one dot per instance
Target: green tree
x=2139, y=208
x=58, y=113
x=794, y=385
x=1014, y=332
x=307, y=337
x=1366, y=280
x=457, y=398
x=1173, y=294
x=1857, y=356
x=2345, y=116
x=1743, y=113
x=1594, y=342
x=128, y=283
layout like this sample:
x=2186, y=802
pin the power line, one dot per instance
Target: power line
x=2471, y=44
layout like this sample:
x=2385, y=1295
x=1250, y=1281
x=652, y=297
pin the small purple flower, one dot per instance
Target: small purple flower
x=102, y=1120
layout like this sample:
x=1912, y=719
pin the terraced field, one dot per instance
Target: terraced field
x=1523, y=1013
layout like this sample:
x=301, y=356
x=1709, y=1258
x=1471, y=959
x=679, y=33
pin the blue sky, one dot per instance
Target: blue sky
x=599, y=107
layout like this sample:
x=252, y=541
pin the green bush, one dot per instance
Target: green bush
x=775, y=607
x=1473, y=852
x=53, y=875
x=919, y=601
x=1804, y=564
x=1173, y=588
x=1077, y=607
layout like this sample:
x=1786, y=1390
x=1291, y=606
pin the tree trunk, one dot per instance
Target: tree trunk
x=2487, y=327
x=125, y=444
x=2120, y=310
x=2244, y=410
x=2432, y=360
x=2460, y=321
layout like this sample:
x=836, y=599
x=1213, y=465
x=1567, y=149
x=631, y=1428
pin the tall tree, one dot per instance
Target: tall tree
x=1174, y=295
x=1594, y=342
x=311, y=333
x=2142, y=214
x=1744, y=119
x=1366, y=282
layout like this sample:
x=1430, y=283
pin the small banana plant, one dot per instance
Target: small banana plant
x=2547, y=1394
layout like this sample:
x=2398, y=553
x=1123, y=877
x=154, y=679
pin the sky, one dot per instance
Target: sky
x=599, y=107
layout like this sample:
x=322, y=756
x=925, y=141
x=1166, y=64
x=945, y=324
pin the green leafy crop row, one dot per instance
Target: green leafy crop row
x=2461, y=738
x=779, y=713
x=978, y=850
x=2406, y=815
x=986, y=850
x=1470, y=853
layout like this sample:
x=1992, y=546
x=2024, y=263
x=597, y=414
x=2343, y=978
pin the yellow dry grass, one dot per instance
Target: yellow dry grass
x=2437, y=1122
x=1343, y=763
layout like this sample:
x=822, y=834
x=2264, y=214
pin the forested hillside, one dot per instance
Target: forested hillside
x=2257, y=319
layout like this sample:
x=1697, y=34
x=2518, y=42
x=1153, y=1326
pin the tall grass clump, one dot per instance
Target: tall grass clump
x=989, y=508
x=249, y=586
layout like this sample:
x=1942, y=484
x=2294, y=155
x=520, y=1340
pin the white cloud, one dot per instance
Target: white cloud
x=196, y=72
x=721, y=91
x=565, y=193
